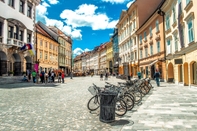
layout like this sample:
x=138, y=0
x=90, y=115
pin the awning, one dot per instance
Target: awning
x=153, y=62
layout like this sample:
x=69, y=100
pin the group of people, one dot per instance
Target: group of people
x=106, y=75
x=45, y=77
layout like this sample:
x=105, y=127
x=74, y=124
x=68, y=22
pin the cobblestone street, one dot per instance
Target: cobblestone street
x=63, y=107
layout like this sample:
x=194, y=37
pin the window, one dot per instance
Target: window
x=190, y=30
x=40, y=54
x=51, y=46
x=29, y=37
x=11, y=3
x=158, y=46
x=21, y=35
x=174, y=14
x=21, y=6
x=141, y=55
x=145, y=38
x=29, y=8
x=169, y=46
x=46, y=44
x=1, y=28
x=175, y=42
x=187, y=2
x=150, y=30
x=167, y=21
x=40, y=42
x=140, y=39
x=157, y=26
x=151, y=49
x=45, y=55
x=10, y=31
x=146, y=52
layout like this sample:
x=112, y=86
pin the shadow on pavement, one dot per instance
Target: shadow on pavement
x=121, y=122
x=26, y=85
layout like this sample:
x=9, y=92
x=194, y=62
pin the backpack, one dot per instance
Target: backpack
x=40, y=74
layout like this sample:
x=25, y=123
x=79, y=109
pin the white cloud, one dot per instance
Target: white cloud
x=77, y=51
x=131, y=2
x=74, y=33
x=86, y=49
x=85, y=16
x=53, y=2
x=115, y=1
x=41, y=10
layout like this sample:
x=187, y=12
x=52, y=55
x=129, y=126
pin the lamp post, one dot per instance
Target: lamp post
x=162, y=13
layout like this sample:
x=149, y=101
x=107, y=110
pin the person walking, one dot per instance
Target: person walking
x=46, y=77
x=63, y=75
x=34, y=76
x=139, y=75
x=157, y=76
x=42, y=77
x=71, y=75
x=53, y=76
x=59, y=77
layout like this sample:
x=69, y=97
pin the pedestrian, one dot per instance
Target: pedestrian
x=53, y=76
x=71, y=75
x=34, y=76
x=42, y=76
x=63, y=75
x=101, y=76
x=157, y=76
x=139, y=75
x=46, y=77
x=59, y=77
x=106, y=76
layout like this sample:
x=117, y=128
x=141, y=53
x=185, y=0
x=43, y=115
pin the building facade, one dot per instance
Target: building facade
x=180, y=37
x=109, y=55
x=47, y=50
x=17, y=18
x=130, y=20
x=152, y=47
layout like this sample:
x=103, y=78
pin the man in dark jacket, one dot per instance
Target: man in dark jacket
x=157, y=76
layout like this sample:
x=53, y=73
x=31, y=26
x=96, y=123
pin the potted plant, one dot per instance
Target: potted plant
x=10, y=73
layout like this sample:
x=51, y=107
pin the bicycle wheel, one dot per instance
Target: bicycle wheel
x=121, y=107
x=93, y=103
x=129, y=101
x=138, y=96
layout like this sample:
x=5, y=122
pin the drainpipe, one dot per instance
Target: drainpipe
x=162, y=13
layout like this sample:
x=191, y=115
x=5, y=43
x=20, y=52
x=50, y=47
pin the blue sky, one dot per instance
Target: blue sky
x=88, y=22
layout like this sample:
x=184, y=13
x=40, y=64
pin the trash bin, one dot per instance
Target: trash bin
x=129, y=77
x=107, y=106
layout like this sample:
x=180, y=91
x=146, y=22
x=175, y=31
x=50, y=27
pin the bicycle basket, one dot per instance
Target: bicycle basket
x=92, y=90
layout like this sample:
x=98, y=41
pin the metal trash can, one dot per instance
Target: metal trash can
x=107, y=106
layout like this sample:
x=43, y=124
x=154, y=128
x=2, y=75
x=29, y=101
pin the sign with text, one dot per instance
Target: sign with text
x=178, y=61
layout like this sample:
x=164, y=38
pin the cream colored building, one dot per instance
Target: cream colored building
x=130, y=20
x=181, y=41
x=17, y=19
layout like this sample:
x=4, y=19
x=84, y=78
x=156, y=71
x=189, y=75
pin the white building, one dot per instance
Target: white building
x=17, y=19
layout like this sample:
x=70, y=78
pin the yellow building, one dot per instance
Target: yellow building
x=109, y=55
x=47, y=49
x=78, y=64
x=181, y=41
x=152, y=47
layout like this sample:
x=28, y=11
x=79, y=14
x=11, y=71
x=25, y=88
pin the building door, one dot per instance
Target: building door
x=152, y=71
x=180, y=73
x=194, y=73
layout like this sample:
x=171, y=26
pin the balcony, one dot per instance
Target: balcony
x=15, y=42
x=157, y=38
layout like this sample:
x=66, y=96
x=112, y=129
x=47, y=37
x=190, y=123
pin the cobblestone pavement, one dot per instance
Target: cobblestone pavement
x=63, y=107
